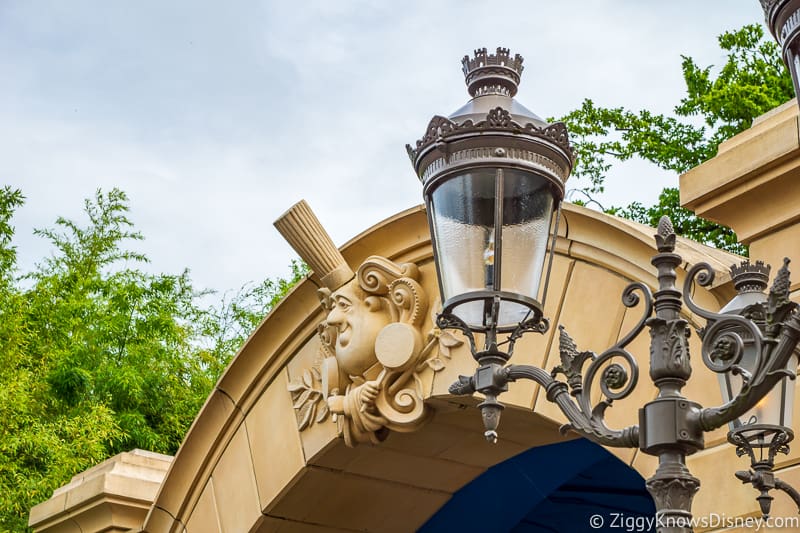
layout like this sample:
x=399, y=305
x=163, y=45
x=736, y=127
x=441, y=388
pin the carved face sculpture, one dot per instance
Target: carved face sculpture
x=357, y=318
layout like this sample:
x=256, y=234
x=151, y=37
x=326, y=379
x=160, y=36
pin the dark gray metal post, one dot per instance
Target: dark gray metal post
x=665, y=430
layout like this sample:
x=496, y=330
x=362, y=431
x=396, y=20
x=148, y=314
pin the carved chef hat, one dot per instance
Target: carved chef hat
x=303, y=231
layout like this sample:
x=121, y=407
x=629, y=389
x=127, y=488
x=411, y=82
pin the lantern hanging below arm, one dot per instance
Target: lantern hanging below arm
x=490, y=228
x=773, y=413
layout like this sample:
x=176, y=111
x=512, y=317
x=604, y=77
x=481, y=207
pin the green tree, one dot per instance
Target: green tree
x=226, y=326
x=752, y=81
x=98, y=356
x=32, y=447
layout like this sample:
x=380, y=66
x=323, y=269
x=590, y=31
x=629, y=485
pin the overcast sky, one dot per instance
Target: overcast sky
x=215, y=117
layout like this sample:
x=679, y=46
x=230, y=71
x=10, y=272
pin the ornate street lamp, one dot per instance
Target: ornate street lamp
x=493, y=175
x=783, y=20
x=775, y=409
x=765, y=430
x=493, y=178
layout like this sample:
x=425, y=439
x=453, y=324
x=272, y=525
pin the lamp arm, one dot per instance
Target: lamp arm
x=778, y=351
x=616, y=370
x=592, y=426
x=757, y=480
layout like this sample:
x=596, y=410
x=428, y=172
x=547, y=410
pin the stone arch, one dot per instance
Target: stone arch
x=245, y=466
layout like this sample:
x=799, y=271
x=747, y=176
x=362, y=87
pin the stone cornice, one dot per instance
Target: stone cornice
x=114, y=495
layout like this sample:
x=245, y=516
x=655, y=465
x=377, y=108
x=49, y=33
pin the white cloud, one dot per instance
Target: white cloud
x=215, y=120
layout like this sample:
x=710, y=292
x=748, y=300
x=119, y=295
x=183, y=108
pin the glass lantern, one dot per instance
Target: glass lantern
x=774, y=412
x=493, y=178
x=490, y=228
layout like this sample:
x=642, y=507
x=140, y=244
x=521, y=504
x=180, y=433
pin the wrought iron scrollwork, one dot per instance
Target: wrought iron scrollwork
x=588, y=425
x=616, y=380
x=542, y=325
x=749, y=437
x=450, y=321
x=723, y=346
x=755, y=341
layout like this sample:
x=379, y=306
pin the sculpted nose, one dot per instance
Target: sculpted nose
x=334, y=317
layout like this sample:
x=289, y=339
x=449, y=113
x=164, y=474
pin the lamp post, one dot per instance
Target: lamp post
x=493, y=178
x=783, y=21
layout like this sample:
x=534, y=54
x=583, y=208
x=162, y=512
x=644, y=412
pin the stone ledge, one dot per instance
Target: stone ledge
x=114, y=495
x=772, y=139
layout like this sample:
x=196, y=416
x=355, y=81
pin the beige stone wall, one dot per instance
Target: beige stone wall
x=753, y=186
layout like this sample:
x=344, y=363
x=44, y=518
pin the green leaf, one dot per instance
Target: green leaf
x=752, y=81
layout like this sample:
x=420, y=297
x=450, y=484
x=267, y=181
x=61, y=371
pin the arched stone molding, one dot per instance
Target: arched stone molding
x=245, y=466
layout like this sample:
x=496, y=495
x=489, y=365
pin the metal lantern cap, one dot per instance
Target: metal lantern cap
x=493, y=129
x=783, y=21
x=492, y=73
x=750, y=281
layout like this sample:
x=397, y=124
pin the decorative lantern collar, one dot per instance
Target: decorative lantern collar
x=489, y=120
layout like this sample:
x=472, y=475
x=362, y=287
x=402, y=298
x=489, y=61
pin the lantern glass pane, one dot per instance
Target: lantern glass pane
x=527, y=214
x=774, y=409
x=463, y=210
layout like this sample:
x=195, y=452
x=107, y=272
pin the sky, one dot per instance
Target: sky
x=216, y=117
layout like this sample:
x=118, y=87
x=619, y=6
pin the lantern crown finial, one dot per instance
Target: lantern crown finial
x=497, y=73
x=750, y=277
